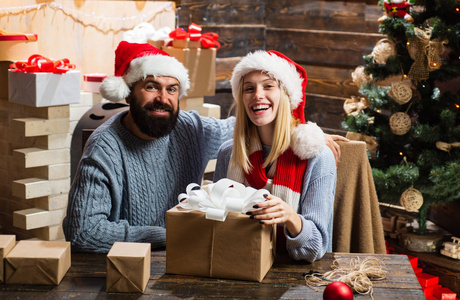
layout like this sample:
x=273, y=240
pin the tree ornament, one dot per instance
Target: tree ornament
x=360, y=77
x=337, y=291
x=446, y=146
x=425, y=52
x=401, y=92
x=400, y=123
x=411, y=199
x=354, y=105
x=383, y=50
x=398, y=9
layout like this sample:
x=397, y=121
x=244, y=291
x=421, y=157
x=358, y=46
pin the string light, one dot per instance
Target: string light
x=400, y=153
x=378, y=111
x=457, y=106
x=91, y=19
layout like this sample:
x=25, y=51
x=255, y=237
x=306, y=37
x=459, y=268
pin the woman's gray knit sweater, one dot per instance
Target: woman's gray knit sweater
x=124, y=185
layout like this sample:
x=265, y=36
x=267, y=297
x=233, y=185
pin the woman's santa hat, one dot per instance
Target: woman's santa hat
x=134, y=62
x=307, y=140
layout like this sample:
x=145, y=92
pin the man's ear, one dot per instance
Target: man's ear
x=128, y=99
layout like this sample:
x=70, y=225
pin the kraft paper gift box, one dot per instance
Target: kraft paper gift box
x=128, y=267
x=237, y=248
x=17, y=46
x=37, y=262
x=201, y=65
x=186, y=43
x=7, y=243
x=44, y=89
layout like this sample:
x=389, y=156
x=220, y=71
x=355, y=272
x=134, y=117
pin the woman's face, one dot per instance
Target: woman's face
x=261, y=98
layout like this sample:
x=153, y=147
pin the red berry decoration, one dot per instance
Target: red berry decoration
x=337, y=291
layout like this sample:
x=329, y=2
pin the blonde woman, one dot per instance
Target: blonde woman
x=274, y=148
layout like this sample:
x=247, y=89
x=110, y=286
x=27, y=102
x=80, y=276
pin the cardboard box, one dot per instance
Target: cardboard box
x=37, y=262
x=128, y=267
x=186, y=43
x=238, y=248
x=201, y=65
x=44, y=89
x=18, y=46
x=7, y=243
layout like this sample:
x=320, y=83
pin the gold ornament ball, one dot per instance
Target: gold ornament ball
x=400, y=123
x=411, y=199
x=400, y=92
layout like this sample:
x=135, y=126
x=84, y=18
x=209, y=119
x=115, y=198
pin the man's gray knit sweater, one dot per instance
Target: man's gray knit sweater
x=124, y=185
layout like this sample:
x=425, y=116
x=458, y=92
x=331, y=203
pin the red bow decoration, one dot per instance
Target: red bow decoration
x=37, y=63
x=207, y=40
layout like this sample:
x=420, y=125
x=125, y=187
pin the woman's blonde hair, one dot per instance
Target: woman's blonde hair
x=246, y=132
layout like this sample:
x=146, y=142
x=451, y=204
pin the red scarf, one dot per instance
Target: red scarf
x=288, y=178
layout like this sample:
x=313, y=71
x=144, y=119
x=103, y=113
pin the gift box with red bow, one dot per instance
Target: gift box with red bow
x=194, y=38
x=17, y=46
x=42, y=82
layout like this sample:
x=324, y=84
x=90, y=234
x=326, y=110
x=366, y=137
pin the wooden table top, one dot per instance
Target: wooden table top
x=86, y=280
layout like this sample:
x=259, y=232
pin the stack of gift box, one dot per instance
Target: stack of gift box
x=430, y=283
x=197, y=51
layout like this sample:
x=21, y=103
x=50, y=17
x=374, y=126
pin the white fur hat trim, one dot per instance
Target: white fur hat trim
x=307, y=140
x=276, y=67
x=116, y=88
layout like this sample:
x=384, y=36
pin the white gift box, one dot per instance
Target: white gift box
x=44, y=89
x=92, y=82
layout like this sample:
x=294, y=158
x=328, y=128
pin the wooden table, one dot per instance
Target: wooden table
x=86, y=280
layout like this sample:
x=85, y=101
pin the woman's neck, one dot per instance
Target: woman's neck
x=266, y=133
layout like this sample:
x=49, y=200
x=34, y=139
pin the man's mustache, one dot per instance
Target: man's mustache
x=158, y=105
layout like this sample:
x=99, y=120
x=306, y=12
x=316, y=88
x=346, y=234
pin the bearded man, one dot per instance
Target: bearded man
x=136, y=164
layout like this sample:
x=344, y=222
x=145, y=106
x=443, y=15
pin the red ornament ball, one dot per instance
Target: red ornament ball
x=337, y=291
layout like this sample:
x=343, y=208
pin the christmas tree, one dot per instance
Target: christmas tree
x=410, y=124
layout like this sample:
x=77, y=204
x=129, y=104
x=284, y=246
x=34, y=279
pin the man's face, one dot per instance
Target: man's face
x=154, y=105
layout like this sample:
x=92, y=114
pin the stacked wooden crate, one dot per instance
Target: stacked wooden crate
x=35, y=167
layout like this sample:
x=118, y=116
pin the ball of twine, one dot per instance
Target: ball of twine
x=400, y=123
x=383, y=50
x=400, y=92
x=358, y=275
x=411, y=199
x=360, y=77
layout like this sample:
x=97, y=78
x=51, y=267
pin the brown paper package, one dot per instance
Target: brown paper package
x=7, y=243
x=128, y=267
x=201, y=65
x=37, y=262
x=238, y=248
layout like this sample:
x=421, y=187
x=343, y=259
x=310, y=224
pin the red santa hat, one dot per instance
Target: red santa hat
x=306, y=139
x=134, y=62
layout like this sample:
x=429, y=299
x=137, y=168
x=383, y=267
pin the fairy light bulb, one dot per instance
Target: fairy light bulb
x=400, y=153
x=457, y=106
x=378, y=111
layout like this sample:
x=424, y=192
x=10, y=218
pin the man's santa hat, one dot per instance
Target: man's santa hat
x=307, y=140
x=134, y=62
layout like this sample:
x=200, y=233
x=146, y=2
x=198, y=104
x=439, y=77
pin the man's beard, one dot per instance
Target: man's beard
x=153, y=126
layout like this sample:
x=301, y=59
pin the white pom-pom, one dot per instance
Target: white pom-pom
x=114, y=88
x=307, y=140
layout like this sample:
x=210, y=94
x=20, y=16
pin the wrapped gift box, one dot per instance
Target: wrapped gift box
x=7, y=243
x=92, y=82
x=238, y=248
x=128, y=267
x=37, y=262
x=186, y=43
x=44, y=89
x=17, y=46
x=201, y=64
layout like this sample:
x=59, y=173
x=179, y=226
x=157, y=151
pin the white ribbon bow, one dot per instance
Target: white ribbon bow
x=224, y=196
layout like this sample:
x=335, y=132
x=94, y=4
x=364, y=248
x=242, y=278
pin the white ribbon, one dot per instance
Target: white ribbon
x=224, y=196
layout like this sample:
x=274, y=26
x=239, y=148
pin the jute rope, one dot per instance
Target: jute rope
x=357, y=275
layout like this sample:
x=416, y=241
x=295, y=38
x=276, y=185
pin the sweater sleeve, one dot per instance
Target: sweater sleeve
x=93, y=220
x=223, y=159
x=315, y=210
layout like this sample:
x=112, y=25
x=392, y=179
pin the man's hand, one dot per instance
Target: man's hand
x=330, y=142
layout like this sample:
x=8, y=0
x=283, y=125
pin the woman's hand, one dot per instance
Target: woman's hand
x=276, y=211
x=330, y=142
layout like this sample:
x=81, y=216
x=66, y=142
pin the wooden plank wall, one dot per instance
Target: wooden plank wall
x=328, y=38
